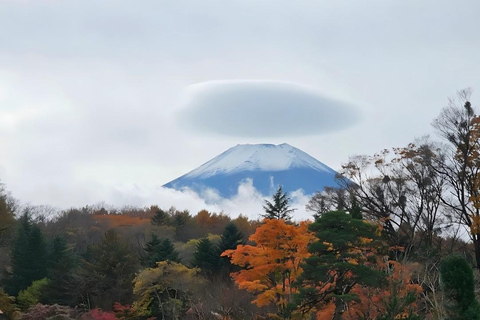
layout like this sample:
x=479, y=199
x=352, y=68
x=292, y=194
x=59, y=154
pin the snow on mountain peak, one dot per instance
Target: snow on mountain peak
x=258, y=157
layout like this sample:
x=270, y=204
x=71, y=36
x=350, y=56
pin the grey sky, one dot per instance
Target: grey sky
x=90, y=91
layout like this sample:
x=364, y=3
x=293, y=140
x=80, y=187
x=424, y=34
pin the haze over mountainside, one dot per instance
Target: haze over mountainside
x=267, y=165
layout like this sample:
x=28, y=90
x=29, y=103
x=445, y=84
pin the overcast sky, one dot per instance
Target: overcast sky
x=107, y=100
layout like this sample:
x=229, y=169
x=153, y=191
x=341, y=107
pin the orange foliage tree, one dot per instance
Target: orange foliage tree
x=273, y=263
x=396, y=301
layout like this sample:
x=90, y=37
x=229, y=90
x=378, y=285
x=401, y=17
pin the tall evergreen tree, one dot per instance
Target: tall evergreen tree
x=279, y=208
x=61, y=263
x=207, y=257
x=179, y=220
x=459, y=286
x=230, y=239
x=107, y=275
x=166, y=251
x=28, y=261
x=159, y=250
x=160, y=218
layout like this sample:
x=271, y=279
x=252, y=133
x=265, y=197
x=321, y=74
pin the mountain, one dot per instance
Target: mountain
x=267, y=165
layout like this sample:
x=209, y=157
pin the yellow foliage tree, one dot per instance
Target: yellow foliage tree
x=165, y=291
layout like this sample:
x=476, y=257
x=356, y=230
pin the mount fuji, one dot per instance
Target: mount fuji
x=267, y=165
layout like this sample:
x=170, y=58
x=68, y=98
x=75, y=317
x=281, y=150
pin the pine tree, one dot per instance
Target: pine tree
x=230, y=239
x=159, y=250
x=160, y=218
x=107, y=275
x=356, y=211
x=28, y=261
x=279, y=209
x=180, y=219
x=61, y=262
x=150, y=249
x=167, y=252
x=338, y=262
x=459, y=286
x=207, y=257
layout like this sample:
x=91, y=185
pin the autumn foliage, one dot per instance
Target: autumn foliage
x=272, y=265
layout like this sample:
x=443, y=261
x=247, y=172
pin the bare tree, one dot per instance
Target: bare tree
x=330, y=199
x=459, y=126
x=401, y=190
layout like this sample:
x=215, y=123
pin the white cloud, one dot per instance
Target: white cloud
x=247, y=201
x=263, y=108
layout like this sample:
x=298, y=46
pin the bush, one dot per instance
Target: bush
x=32, y=295
x=50, y=312
x=7, y=304
x=456, y=277
x=98, y=314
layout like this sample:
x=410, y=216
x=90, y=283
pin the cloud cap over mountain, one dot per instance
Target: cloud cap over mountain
x=263, y=108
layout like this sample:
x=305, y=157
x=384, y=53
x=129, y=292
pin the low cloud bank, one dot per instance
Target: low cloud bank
x=247, y=201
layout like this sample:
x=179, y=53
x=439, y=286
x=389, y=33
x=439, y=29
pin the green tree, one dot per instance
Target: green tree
x=339, y=260
x=160, y=218
x=28, y=261
x=278, y=208
x=165, y=291
x=33, y=294
x=107, y=275
x=458, y=283
x=61, y=264
x=230, y=239
x=159, y=250
x=207, y=257
x=180, y=220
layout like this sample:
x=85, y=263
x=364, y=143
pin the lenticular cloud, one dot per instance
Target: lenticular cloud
x=254, y=108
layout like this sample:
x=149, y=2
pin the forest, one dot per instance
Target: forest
x=398, y=239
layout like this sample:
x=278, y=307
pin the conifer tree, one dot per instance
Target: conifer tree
x=230, y=239
x=206, y=256
x=167, y=252
x=159, y=250
x=279, y=208
x=338, y=261
x=160, y=218
x=61, y=262
x=109, y=271
x=28, y=261
x=459, y=286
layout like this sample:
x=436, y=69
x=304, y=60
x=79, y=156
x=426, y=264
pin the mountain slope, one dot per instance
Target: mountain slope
x=267, y=165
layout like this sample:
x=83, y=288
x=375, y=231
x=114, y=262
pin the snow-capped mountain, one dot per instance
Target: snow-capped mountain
x=267, y=165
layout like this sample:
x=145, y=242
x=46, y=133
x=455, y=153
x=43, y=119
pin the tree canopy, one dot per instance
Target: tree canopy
x=279, y=208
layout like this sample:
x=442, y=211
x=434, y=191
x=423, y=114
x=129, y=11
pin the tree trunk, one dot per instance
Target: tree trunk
x=339, y=309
